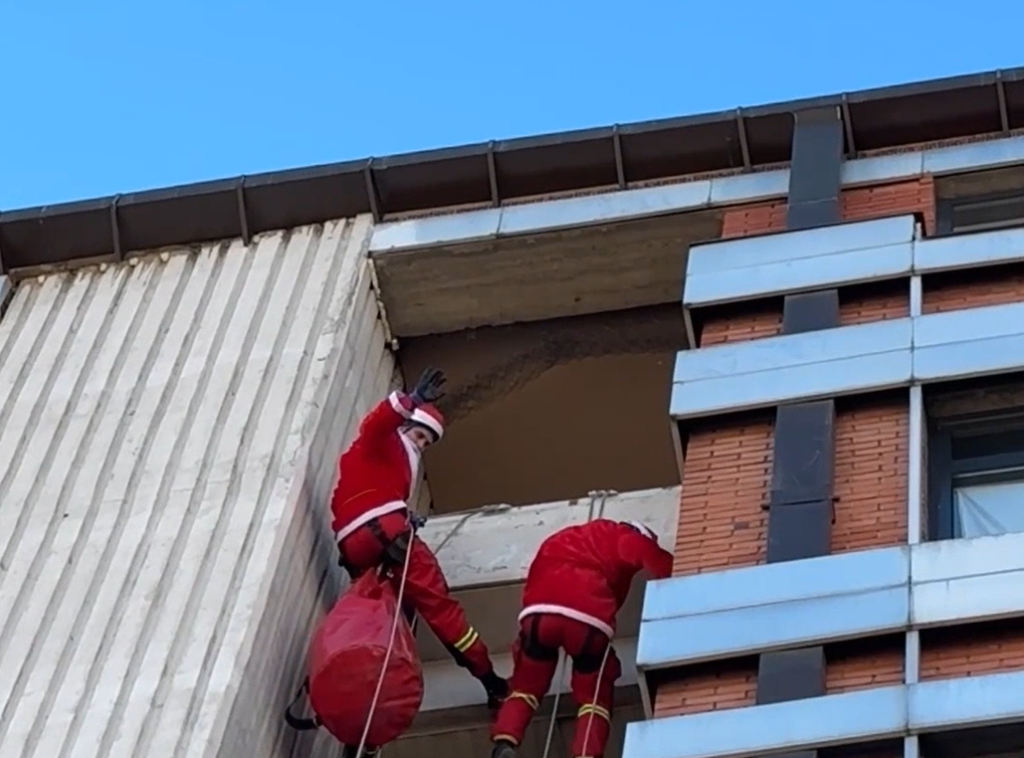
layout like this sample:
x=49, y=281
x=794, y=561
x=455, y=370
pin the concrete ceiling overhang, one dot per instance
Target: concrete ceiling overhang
x=535, y=277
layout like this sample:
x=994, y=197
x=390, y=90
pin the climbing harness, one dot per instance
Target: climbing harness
x=559, y=677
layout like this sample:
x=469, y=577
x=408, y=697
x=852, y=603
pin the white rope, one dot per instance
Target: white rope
x=482, y=511
x=391, y=644
x=597, y=691
x=559, y=676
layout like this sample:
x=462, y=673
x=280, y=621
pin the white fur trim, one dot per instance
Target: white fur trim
x=370, y=515
x=413, y=454
x=572, y=613
x=396, y=402
x=643, y=529
x=421, y=417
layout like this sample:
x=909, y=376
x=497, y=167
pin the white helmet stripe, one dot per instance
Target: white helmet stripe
x=643, y=529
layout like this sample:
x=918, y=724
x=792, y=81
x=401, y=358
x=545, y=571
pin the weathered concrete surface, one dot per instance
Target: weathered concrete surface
x=594, y=269
x=170, y=431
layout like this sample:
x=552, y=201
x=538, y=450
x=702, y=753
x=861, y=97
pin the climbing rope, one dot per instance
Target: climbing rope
x=559, y=676
x=487, y=509
x=391, y=645
x=597, y=691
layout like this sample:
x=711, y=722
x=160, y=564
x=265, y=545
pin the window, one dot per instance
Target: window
x=976, y=478
x=981, y=214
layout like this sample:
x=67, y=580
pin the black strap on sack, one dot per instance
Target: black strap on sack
x=296, y=723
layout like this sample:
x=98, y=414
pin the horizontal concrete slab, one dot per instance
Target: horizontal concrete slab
x=832, y=720
x=848, y=360
x=866, y=593
x=762, y=608
x=747, y=268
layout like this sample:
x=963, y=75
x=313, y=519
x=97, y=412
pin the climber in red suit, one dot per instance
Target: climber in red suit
x=373, y=524
x=574, y=589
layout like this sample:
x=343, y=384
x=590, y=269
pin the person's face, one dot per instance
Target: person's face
x=420, y=437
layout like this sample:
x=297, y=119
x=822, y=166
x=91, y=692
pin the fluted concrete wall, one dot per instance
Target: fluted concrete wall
x=168, y=434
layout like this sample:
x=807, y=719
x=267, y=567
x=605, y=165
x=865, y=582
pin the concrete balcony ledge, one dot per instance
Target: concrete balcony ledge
x=693, y=619
x=842, y=719
x=849, y=360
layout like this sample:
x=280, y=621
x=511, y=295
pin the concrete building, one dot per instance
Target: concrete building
x=790, y=338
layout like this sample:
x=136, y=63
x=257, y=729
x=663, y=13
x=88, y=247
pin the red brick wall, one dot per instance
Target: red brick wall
x=708, y=689
x=725, y=484
x=858, y=204
x=972, y=649
x=957, y=290
x=874, y=662
x=871, y=475
x=857, y=305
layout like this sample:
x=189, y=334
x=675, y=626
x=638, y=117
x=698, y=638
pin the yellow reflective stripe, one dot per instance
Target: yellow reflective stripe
x=506, y=738
x=530, y=699
x=467, y=640
x=596, y=710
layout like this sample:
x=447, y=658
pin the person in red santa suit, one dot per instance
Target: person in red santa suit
x=374, y=527
x=574, y=589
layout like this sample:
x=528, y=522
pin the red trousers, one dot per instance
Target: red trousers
x=426, y=589
x=535, y=659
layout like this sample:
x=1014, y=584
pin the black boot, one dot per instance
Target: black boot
x=496, y=688
x=503, y=749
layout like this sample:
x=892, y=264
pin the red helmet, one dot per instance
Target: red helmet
x=427, y=415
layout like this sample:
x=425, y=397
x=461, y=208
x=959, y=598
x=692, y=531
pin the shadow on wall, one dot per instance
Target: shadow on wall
x=551, y=410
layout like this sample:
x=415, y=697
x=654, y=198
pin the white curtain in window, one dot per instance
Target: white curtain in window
x=989, y=509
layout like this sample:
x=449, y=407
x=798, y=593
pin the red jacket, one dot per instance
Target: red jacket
x=379, y=469
x=584, y=572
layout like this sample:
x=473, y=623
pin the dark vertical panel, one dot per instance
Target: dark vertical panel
x=810, y=311
x=815, y=173
x=940, y=486
x=791, y=675
x=803, y=471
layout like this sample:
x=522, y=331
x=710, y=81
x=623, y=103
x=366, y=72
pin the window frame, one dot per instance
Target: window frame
x=1002, y=433
x=945, y=212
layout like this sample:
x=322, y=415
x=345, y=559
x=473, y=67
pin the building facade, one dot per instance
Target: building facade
x=788, y=338
x=850, y=410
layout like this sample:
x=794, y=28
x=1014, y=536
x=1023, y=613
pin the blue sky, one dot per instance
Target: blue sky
x=113, y=96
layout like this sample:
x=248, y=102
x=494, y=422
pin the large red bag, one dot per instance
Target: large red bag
x=345, y=661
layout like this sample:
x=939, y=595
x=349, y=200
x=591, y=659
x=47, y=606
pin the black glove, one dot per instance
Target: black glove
x=416, y=521
x=428, y=388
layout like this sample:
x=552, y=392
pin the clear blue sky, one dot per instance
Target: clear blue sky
x=107, y=96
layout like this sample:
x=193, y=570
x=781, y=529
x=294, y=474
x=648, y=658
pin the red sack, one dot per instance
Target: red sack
x=345, y=661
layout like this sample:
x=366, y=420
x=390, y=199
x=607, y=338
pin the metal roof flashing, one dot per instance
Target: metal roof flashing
x=501, y=172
